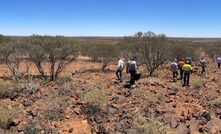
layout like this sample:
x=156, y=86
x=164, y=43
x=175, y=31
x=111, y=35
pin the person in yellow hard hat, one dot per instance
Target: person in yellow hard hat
x=187, y=68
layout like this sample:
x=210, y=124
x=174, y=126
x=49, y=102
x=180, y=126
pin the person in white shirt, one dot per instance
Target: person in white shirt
x=174, y=68
x=120, y=68
x=219, y=61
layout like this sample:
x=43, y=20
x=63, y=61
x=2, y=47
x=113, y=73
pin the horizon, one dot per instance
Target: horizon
x=97, y=18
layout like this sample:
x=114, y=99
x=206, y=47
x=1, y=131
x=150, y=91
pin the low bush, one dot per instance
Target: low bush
x=63, y=80
x=9, y=90
x=53, y=105
x=211, y=94
x=141, y=125
x=98, y=97
x=175, y=87
x=7, y=114
x=32, y=129
x=216, y=103
x=196, y=83
x=150, y=97
x=5, y=88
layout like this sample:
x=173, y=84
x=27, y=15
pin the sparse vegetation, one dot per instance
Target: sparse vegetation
x=53, y=105
x=97, y=96
x=57, y=97
x=175, y=86
x=216, y=103
x=150, y=97
x=4, y=88
x=141, y=125
x=7, y=114
x=197, y=83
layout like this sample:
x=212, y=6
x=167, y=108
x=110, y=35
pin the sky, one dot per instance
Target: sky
x=175, y=18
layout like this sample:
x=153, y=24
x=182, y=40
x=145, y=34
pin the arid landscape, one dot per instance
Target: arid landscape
x=85, y=98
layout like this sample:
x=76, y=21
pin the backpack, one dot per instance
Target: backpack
x=132, y=66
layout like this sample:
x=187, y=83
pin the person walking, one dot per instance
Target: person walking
x=203, y=65
x=174, y=68
x=219, y=61
x=180, y=65
x=187, y=68
x=132, y=69
x=120, y=68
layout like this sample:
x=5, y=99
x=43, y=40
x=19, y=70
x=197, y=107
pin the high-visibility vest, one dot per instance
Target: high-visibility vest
x=187, y=67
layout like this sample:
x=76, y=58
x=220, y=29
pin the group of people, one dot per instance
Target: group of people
x=185, y=68
x=131, y=67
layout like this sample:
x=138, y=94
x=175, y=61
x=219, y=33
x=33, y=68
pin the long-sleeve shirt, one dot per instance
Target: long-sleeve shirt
x=203, y=63
x=219, y=60
x=174, y=66
x=121, y=65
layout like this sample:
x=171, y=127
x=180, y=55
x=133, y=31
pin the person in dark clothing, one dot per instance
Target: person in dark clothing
x=219, y=61
x=188, y=60
x=132, y=69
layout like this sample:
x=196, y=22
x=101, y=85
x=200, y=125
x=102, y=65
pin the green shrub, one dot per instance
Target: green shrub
x=216, y=103
x=197, y=83
x=175, y=87
x=211, y=94
x=5, y=88
x=141, y=125
x=7, y=114
x=149, y=96
x=53, y=105
x=98, y=97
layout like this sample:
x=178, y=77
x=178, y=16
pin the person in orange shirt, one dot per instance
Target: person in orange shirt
x=180, y=66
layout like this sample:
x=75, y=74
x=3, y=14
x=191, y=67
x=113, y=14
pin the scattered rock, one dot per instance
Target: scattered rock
x=172, y=92
x=32, y=112
x=112, y=110
x=181, y=129
x=169, y=101
x=27, y=103
x=77, y=110
x=71, y=130
x=174, y=123
x=194, y=125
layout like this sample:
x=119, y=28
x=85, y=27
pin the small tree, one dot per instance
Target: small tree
x=12, y=54
x=93, y=52
x=106, y=54
x=183, y=49
x=37, y=53
x=60, y=52
x=57, y=51
x=213, y=50
x=151, y=49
